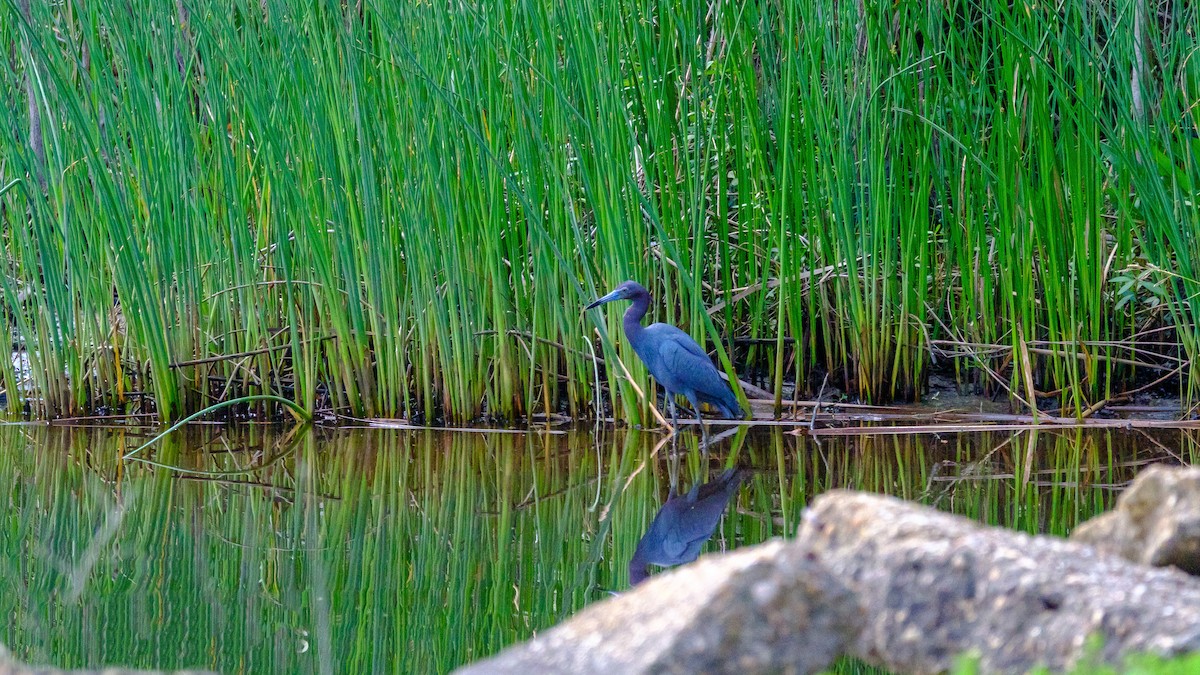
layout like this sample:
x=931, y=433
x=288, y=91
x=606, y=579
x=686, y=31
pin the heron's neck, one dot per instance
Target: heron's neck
x=635, y=313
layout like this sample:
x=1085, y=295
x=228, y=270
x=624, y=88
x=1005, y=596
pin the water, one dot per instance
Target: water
x=358, y=551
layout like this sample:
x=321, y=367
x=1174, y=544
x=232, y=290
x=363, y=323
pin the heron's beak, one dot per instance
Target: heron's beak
x=615, y=295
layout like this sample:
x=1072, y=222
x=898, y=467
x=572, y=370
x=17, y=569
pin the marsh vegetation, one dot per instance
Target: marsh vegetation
x=398, y=209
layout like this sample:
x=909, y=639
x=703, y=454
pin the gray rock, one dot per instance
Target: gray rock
x=764, y=609
x=935, y=586
x=899, y=585
x=1156, y=522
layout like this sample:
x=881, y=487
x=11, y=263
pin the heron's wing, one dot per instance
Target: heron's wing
x=666, y=333
x=681, y=366
x=683, y=542
x=678, y=536
x=691, y=524
x=687, y=363
x=657, y=545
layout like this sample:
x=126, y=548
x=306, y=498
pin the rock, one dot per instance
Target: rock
x=1156, y=522
x=899, y=585
x=736, y=613
x=934, y=586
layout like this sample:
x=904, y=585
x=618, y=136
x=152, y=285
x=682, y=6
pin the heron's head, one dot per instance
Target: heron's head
x=626, y=291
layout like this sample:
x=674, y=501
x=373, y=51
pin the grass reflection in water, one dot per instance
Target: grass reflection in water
x=402, y=551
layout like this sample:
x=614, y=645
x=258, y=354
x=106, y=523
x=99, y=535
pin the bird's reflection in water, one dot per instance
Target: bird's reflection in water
x=683, y=524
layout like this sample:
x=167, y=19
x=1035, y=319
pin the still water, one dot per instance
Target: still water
x=378, y=550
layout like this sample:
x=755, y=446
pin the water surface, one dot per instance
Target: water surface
x=374, y=550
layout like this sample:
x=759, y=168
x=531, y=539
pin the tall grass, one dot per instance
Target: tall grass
x=397, y=209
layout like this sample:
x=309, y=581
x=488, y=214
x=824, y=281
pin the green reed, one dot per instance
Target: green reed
x=398, y=209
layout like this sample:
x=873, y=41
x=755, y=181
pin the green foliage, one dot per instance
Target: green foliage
x=1148, y=664
x=398, y=208
x=1135, y=664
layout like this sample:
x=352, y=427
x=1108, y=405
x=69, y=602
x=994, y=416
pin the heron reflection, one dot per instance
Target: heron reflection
x=683, y=524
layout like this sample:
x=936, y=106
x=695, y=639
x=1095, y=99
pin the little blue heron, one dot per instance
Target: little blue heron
x=674, y=359
x=683, y=524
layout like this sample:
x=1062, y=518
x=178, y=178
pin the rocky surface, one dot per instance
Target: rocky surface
x=899, y=585
x=935, y=586
x=740, y=612
x=1156, y=522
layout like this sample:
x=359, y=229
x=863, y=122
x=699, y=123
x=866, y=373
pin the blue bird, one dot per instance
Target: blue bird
x=674, y=359
x=683, y=524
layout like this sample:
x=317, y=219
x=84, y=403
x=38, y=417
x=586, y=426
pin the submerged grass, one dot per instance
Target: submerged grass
x=397, y=209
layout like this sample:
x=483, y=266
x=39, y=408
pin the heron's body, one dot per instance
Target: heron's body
x=683, y=524
x=674, y=359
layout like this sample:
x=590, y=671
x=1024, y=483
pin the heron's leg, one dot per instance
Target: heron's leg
x=673, y=471
x=674, y=426
x=700, y=419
